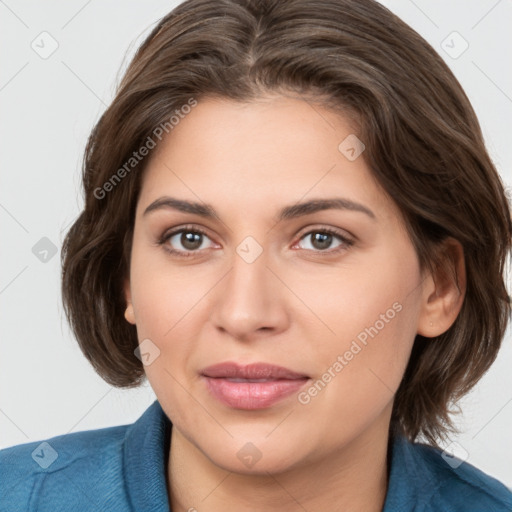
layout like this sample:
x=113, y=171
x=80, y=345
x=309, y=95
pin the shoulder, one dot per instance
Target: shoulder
x=450, y=484
x=80, y=466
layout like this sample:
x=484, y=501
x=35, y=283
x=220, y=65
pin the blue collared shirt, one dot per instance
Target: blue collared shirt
x=123, y=468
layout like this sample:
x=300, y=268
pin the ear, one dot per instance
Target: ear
x=129, y=313
x=443, y=292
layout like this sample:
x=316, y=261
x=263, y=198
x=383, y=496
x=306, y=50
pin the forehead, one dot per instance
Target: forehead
x=273, y=151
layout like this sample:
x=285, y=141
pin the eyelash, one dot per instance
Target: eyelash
x=346, y=242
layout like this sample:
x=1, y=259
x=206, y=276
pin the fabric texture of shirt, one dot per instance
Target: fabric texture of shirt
x=124, y=468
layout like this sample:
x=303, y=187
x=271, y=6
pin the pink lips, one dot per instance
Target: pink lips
x=254, y=386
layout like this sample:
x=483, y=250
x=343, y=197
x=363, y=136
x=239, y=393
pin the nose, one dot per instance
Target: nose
x=250, y=301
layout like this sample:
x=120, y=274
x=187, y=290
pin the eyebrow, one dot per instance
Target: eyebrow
x=288, y=212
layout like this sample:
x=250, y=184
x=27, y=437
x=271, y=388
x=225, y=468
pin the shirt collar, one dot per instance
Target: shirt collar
x=146, y=453
x=411, y=480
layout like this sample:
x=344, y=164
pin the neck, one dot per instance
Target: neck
x=354, y=478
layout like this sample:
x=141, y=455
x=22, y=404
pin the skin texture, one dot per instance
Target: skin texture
x=298, y=305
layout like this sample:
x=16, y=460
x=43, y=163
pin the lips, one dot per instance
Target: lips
x=254, y=386
x=230, y=370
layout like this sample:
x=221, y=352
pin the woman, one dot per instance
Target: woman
x=293, y=229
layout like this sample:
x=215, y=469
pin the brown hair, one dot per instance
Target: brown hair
x=423, y=145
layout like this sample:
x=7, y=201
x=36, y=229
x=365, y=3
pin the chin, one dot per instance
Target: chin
x=258, y=457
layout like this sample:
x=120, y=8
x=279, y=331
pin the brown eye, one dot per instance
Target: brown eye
x=191, y=240
x=321, y=240
x=185, y=241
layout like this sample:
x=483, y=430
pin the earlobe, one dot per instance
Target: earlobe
x=129, y=313
x=443, y=292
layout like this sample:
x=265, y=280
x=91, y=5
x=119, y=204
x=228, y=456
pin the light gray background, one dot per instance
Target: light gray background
x=48, y=106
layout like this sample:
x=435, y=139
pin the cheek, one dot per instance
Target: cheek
x=345, y=302
x=163, y=298
x=368, y=319
x=363, y=364
x=163, y=293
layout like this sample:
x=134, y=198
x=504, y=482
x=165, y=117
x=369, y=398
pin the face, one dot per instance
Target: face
x=331, y=292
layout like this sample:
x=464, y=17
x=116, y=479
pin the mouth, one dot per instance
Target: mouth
x=253, y=386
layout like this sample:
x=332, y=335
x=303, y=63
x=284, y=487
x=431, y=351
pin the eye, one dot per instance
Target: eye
x=191, y=240
x=322, y=239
